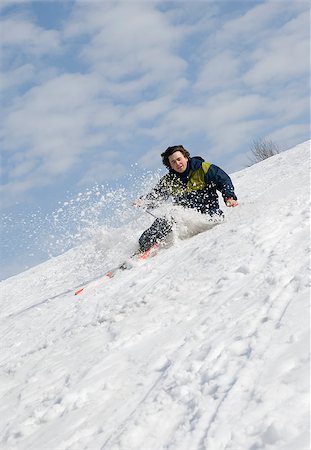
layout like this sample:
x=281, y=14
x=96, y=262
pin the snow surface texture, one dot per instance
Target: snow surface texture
x=204, y=347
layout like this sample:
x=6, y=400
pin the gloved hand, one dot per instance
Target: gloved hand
x=138, y=203
x=231, y=203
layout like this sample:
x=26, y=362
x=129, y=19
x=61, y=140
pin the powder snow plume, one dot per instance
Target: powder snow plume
x=81, y=218
x=203, y=347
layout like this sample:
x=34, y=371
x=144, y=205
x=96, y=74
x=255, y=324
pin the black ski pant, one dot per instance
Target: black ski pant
x=156, y=233
x=162, y=227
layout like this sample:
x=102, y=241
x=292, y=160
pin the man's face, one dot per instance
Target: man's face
x=178, y=162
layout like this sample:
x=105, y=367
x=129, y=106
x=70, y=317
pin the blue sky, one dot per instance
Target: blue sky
x=91, y=88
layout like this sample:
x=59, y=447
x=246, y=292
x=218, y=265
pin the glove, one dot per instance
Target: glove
x=231, y=203
x=138, y=203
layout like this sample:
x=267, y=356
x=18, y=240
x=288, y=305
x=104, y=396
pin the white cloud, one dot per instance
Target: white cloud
x=23, y=168
x=234, y=136
x=254, y=19
x=283, y=54
x=6, y=3
x=13, y=192
x=16, y=77
x=269, y=43
x=289, y=135
x=148, y=110
x=230, y=107
x=55, y=110
x=129, y=39
x=258, y=20
x=49, y=124
x=219, y=71
x=151, y=158
x=289, y=106
x=28, y=37
x=100, y=171
x=223, y=114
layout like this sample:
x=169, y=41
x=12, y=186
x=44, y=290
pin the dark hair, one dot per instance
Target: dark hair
x=170, y=150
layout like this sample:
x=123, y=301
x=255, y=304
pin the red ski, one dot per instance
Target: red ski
x=124, y=266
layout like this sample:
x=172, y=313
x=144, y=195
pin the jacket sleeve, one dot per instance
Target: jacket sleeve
x=215, y=175
x=156, y=196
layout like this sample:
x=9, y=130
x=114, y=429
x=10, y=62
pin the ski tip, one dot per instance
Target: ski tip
x=106, y=277
x=79, y=291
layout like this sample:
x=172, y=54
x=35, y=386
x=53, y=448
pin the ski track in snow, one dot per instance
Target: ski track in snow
x=204, y=347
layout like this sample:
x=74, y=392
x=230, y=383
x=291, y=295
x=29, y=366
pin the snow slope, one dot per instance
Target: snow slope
x=205, y=346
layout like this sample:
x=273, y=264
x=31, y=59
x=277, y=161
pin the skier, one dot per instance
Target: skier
x=192, y=183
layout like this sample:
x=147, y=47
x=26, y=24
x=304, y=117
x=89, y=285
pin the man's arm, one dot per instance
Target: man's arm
x=154, y=198
x=223, y=184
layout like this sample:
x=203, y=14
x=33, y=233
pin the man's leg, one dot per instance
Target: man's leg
x=215, y=212
x=156, y=233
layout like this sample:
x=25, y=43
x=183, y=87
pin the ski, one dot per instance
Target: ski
x=98, y=280
x=126, y=265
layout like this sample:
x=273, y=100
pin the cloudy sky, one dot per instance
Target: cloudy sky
x=90, y=88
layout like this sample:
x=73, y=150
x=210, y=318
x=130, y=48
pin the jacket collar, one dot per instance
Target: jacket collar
x=194, y=163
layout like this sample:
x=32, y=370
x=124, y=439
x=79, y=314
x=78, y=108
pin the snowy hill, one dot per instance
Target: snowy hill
x=204, y=347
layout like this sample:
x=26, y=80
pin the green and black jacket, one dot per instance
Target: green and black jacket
x=195, y=188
